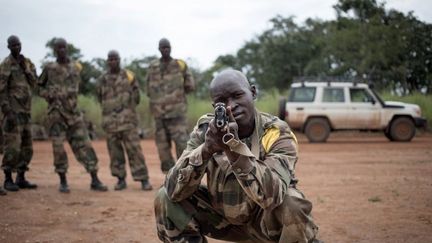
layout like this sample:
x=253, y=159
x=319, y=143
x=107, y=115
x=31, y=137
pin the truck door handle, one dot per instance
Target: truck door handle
x=299, y=108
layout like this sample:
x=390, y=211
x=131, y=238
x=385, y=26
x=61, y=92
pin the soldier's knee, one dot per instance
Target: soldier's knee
x=160, y=201
x=161, y=196
x=296, y=207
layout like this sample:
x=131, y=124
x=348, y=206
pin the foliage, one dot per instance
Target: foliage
x=38, y=110
x=366, y=42
x=267, y=101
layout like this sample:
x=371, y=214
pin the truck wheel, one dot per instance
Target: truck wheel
x=402, y=129
x=317, y=130
x=387, y=134
x=282, y=107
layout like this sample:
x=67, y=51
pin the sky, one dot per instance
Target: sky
x=199, y=30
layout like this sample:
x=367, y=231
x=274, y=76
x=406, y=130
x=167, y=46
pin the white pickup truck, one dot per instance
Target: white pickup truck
x=317, y=108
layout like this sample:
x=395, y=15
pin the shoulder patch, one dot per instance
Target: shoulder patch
x=182, y=64
x=270, y=136
x=130, y=76
x=78, y=66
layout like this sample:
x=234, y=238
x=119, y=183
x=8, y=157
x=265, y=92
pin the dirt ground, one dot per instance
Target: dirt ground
x=363, y=188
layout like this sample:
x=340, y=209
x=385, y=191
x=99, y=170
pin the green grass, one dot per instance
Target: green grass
x=267, y=101
x=91, y=110
x=38, y=112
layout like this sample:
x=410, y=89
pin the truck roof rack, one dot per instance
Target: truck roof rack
x=328, y=79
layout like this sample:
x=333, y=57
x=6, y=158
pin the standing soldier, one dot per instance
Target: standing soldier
x=168, y=82
x=118, y=92
x=1, y=132
x=59, y=84
x=17, y=79
x=2, y=192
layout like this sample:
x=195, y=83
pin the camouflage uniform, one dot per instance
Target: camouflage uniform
x=167, y=86
x=15, y=95
x=119, y=95
x=59, y=85
x=1, y=132
x=253, y=200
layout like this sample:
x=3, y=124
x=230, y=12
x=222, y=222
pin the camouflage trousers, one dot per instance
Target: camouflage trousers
x=18, y=148
x=167, y=130
x=194, y=218
x=128, y=140
x=1, y=137
x=79, y=140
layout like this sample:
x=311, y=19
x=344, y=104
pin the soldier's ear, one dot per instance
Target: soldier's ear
x=254, y=91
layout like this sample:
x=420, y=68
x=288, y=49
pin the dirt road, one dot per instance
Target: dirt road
x=364, y=189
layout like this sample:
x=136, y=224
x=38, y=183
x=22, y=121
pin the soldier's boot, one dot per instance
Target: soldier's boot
x=64, y=187
x=2, y=192
x=121, y=184
x=146, y=186
x=9, y=183
x=23, y=183
x=96, y=184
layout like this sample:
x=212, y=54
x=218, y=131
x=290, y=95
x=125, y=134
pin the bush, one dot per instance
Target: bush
x=267, y=101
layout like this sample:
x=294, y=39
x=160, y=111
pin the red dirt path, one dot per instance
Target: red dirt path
x=363, y=188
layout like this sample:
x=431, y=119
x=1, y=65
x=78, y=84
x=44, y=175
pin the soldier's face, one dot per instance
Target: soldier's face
x=61, y=49
x=239, y=96
x=165, y=50
x=15, y=47
x=113, y=62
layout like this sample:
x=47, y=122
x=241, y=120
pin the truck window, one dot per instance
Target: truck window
x=302, y=94
x=333, y=95
x=360, y=95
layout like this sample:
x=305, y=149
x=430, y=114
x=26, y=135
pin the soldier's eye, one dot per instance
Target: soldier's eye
x=238, y=95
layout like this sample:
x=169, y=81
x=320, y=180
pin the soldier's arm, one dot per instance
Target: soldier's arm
x=30, y=73
x=266, y=181
x=135, y=94
x=99, y=88
x=189, y=82
x=42, y=89
x=185, y=177
x=4, y=77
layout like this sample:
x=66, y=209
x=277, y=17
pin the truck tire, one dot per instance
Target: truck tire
x=282, y=108
x=387, y=134
x=317, y=130
x=402, y=129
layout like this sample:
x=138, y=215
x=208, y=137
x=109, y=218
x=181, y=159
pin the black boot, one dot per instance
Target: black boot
x=64, y=188
x=96, y=184
x=23, y=183
x=121, y=184
x=8, y=183
x=146, y=186
x=2, y=192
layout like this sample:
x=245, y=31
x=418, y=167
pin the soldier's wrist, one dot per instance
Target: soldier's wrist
x=206, y=154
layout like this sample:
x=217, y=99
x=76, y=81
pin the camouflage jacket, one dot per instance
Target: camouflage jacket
x=119, y=95
x=238, y=189
x=15, y=87
x=167, y=87
x=59, y=85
